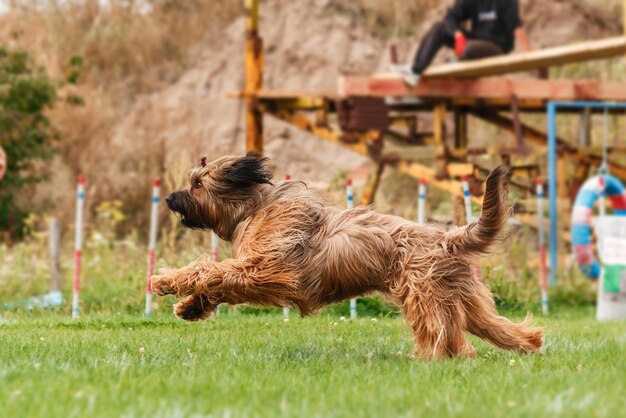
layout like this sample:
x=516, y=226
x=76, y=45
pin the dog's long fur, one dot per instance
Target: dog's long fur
x=292, y=248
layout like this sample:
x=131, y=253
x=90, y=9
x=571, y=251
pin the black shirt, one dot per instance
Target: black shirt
x=492, y=20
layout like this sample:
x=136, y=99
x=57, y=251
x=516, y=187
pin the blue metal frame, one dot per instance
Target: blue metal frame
x=552, y=174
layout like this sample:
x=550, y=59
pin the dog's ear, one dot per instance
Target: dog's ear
x=247, y=171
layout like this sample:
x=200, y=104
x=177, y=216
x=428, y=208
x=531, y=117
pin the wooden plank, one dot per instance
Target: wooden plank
x=525, y=61
x=484, y=88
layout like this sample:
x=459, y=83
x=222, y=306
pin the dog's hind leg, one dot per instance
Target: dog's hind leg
x=195, y=308
x=437, y=324
x=484, y=322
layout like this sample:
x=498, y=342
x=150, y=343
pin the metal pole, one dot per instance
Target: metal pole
x=543, y=268
x=469, y=217
x=421, y=202
x=215, y=257
x=78, y=243
x=552, y=191
x=154, y=219
x=286, y=308
x=350, y=205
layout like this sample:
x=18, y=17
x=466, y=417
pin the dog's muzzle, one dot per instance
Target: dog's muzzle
x=175, y=203
x=184, y=205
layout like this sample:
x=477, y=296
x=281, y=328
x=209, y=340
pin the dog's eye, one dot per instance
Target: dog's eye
x=197, y=184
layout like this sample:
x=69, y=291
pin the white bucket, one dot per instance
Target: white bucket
x=611, y=231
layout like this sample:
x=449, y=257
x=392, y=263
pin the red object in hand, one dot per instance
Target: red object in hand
x=459, y=44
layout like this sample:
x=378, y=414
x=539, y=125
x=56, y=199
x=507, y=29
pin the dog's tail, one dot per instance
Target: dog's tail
x=478, y=237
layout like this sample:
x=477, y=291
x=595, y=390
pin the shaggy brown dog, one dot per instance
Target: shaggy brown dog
x=292, y=248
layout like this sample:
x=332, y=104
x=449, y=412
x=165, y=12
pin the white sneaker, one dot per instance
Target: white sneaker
x=407, y=74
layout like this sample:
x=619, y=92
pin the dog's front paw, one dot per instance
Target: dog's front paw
x=162, y=285
x=194, y=308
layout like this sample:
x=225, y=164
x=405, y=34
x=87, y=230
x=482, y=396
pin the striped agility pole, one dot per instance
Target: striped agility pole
x=286, y=308
x=421, y=202
x=154, y=219
x=469, y=216
x=543, y=266
x=350, y=205
x=78, y=244
x=214, y=246
x=215, y=257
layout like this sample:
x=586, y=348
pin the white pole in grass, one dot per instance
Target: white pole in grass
x=466, y=199
x=543, y=266
x=215, y=257
x=350, y=205
x=469, y=216
x=286, y=308
x=78, y=243
x=154, y=219
x=214, y=246
x=421, y=202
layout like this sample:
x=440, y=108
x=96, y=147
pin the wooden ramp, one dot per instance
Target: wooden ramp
x=524, y=61
x=384, y=85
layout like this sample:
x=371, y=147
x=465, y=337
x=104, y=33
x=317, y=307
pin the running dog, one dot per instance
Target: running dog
x=292, y=248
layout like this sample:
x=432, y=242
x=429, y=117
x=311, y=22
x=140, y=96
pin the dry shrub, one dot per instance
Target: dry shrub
x=130, y=46
x=123, y=49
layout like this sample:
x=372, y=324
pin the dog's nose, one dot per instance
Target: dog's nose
x=169, y=199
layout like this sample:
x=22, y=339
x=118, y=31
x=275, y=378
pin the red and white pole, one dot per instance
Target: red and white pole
x=543, y=265
x=78, y=244
x=469, y=216
x=421, y=202
x=215, y=257
x=154, y=220
x=286, y=308
x=214, y=246
x=350, y=205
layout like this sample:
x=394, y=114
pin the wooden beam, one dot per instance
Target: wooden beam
x=483, y=88
x=253, y=62
x=326, y=133
x=525, y=61
x=439, y=137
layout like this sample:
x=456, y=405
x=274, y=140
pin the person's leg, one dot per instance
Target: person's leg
x=479, y=48
x=435, y=38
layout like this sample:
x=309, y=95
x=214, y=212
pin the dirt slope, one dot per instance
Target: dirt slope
x=306, y=48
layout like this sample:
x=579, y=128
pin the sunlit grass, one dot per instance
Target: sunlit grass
x=241, y=365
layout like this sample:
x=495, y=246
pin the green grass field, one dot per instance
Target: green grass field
x=240, y=365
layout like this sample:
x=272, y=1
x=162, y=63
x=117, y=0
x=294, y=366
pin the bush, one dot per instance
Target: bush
x=25, y=134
